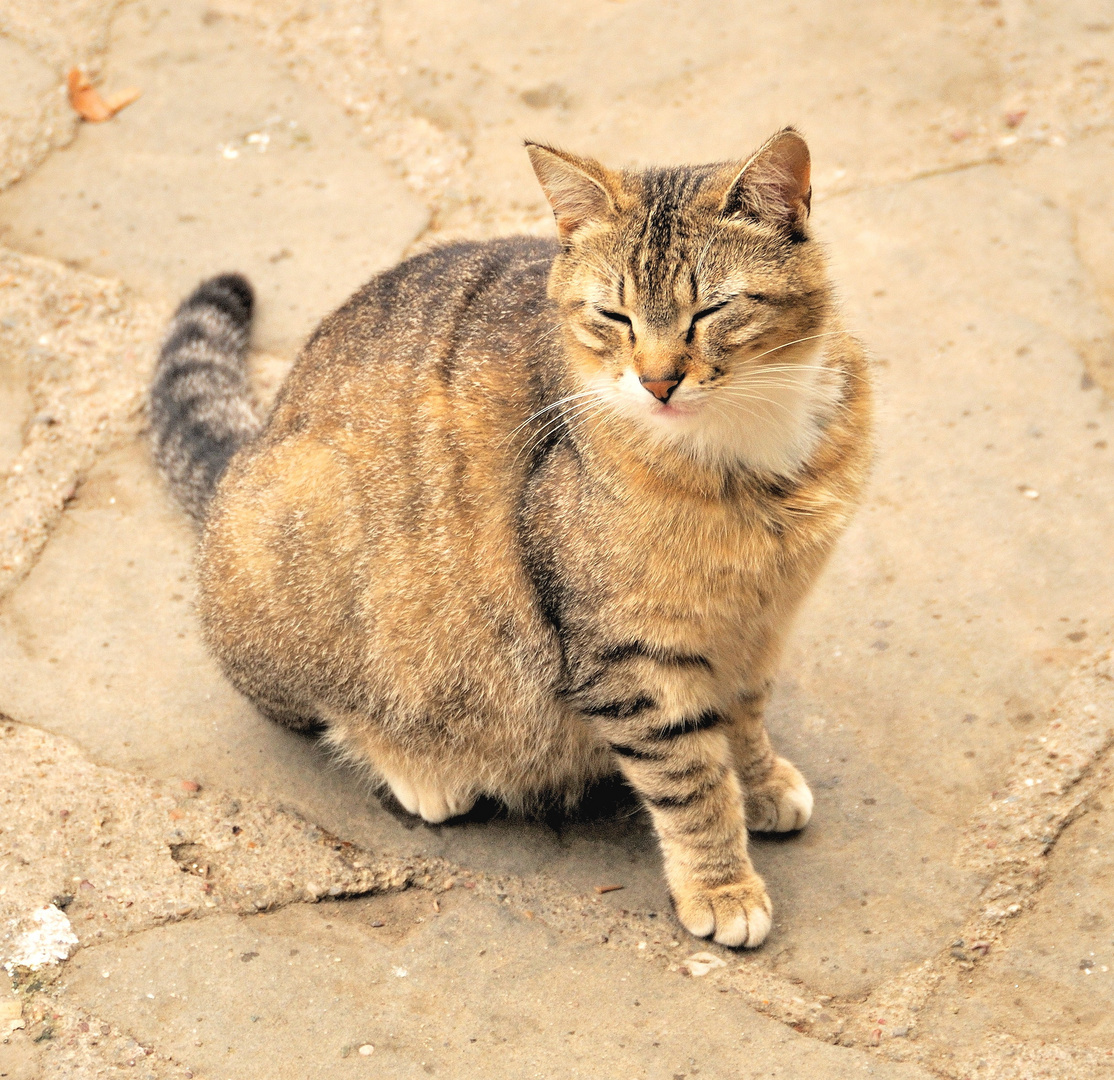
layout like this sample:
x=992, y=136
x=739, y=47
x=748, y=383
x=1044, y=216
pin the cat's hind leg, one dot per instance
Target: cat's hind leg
x=777, y=797
x=419, y=785
x=433, y=799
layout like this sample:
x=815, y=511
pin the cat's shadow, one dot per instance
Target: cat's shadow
x=608, y=800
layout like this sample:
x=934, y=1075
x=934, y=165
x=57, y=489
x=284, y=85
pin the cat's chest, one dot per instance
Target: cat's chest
x=702, y=555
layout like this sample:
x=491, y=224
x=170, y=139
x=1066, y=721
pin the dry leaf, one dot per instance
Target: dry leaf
x=121, y=98
x=89, y=104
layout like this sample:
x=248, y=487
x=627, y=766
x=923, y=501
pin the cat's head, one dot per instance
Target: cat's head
x=693, y=297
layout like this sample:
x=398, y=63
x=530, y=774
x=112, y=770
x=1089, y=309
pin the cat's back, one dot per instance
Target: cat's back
x=438, y=321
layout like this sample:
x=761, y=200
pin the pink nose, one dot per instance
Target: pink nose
x=660, y=388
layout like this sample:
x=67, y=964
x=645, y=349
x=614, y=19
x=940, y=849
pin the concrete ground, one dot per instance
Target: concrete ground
x=187, y=890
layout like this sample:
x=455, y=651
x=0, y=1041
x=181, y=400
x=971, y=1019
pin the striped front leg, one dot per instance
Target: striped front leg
x=777, y=797
x=679, y=760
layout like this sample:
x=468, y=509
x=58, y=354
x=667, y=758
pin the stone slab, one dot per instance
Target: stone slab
x=1054, y=979
x=74, y=362
x=974, y=580
x=40, y=40
x=1073, y=177
x=898, y=751
x=225, y=162
x=15, y=409
x=473, y=990
x=710, y=81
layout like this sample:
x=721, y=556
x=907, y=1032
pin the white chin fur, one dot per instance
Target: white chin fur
x=769, y=423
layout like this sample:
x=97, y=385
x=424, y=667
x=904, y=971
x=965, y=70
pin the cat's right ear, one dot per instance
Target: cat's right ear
x=576, y=187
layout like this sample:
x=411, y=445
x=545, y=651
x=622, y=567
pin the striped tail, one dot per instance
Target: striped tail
x=201, y=405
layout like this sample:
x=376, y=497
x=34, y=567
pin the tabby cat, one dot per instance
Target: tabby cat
x=526, y=512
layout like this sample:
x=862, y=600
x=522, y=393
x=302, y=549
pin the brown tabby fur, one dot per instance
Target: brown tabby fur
x=484, y=584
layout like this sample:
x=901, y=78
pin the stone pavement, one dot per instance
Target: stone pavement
x=236, y=904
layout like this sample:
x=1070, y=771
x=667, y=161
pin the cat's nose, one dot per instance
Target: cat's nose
x=662, y=389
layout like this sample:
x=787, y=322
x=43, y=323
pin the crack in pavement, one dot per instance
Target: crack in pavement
x=1050, y=782
x=86, y=342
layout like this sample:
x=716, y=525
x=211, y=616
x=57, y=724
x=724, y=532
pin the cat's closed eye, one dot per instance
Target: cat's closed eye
x=615, y=316
x=703, y=314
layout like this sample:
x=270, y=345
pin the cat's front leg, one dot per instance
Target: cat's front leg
x=777, y=797
x=681, y=764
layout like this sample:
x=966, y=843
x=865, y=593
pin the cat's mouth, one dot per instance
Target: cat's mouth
x=679, y=406
x=671, y=410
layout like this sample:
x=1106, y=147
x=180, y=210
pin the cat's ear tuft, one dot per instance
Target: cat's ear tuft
x=576, y=187
x=775, y=185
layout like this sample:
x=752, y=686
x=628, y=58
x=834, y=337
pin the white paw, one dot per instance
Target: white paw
x=748, y=930
x=781, y=803
x=737, y=914
x=429, y=801
x=794, y=808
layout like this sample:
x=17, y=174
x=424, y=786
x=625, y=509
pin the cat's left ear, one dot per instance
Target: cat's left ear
x=775, y=185
x=576, y=187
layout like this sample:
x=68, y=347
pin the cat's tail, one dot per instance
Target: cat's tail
x=201, y=405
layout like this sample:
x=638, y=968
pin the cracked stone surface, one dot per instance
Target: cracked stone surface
x=220, y=993
x=225, y=161
x=73, y=352
x=957, y=648
x=1055, y=981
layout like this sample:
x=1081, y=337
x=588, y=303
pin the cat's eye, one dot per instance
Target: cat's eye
x=702, y=314
x=615, y=316
x=709, y=311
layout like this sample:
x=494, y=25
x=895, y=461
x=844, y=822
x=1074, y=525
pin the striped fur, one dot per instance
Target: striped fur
x=527, y=513
x=200, y=404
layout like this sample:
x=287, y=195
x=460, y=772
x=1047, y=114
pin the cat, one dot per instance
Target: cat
x=527, y=512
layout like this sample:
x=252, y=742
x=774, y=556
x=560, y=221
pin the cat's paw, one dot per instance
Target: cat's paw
x=735, y=914
x=430, y=801
x=781, y=802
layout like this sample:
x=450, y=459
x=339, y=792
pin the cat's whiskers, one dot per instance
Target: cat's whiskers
x=796, y=341
x=602, y=412
x=546, y=335
x=735, y=394
x=812, y=394
x=540, y=412
x=552, y=423
x=573, y=422
x=729, y=411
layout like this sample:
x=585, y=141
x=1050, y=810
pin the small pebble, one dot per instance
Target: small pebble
x=702, y=962
x=367, y=1050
